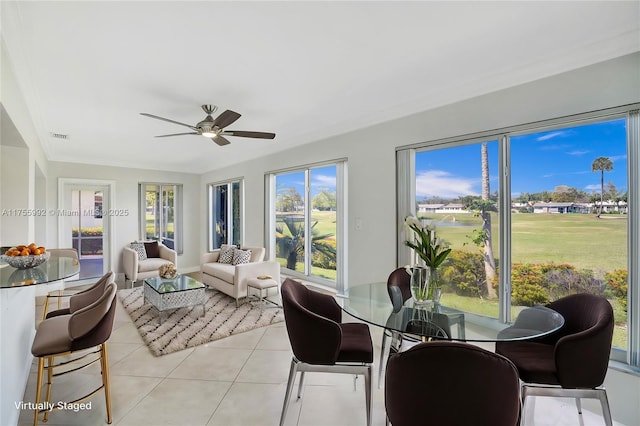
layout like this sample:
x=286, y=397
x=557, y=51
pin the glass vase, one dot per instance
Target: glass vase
x=420, y=278
x=435, y=292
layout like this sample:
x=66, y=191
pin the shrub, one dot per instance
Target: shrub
x=322, y=260
x=463, y=273
x=527, y=294
x=617, y=282
x=529, y=281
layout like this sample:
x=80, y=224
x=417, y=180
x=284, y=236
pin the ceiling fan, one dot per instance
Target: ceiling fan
x=213, y=128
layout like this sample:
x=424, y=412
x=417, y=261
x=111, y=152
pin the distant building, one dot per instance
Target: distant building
x=542, y=207
x=441, y=208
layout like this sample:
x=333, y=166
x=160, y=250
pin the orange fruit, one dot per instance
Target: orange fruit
x=36, y=251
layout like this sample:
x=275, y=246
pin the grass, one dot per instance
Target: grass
x=326, y=221
x=578, y=239
x=329, y=274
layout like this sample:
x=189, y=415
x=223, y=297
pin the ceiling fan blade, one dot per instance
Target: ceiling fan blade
x=245, y=134
x=177, y=134
x=166, y=119
x=226, y=118
x=220, y=140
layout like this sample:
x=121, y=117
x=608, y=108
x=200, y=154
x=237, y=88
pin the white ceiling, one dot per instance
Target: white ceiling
x=304, y=70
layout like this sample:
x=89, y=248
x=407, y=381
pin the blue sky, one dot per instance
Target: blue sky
x=322, y=179
x=539, y=162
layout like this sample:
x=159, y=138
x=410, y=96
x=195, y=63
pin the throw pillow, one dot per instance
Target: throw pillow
x=226, y=254
x=139, y=248
x=241, y=256
x=152, y=249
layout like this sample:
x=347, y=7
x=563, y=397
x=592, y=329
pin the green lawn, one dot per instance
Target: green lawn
x=577, y=239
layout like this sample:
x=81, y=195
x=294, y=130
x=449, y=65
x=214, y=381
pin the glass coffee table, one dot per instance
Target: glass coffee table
x=166, y=294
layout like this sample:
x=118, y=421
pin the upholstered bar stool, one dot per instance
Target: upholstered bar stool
x=62, y=335
x=66, y=252
x=79, y=299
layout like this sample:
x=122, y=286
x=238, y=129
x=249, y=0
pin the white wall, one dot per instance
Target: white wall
x=126, y=197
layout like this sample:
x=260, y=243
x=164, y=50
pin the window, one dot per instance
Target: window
x=225, y=213
x=561, y=207
x=569, y=226
x=457, y=191
x=161, y=214
x=309, y=201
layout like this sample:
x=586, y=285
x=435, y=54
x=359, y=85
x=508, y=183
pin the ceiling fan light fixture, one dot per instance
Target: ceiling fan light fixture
x=208, y=131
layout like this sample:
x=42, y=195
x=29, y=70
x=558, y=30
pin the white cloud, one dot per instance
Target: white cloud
x=615, y=158
x=553, y=135
x=324, y=181
x=577, y=152
x=442, y=184
x=592, y=188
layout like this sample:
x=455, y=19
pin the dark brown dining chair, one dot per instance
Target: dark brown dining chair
x=451, y=383
x=399, y=290
x=63, y=335
x=571, y=362
x=78, y=299
x=321, y=342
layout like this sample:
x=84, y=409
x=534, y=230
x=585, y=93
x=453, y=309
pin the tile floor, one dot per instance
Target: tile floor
x=239, y=380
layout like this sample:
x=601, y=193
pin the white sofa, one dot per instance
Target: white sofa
x=232, y=279
x=136, y=269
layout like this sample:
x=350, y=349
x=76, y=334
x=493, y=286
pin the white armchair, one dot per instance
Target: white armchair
x=136, y=269
x=232, y=279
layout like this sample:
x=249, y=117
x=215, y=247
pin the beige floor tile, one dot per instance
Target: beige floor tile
x=141, y=362
x=247, y=340
x=125, y=333
x=178, y=402
x=253, y=404
x=543, y=411
x=275, y=338
x=212, y=363
x=266, y=367
x=329, y=405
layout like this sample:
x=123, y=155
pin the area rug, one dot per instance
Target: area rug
x=185, y=327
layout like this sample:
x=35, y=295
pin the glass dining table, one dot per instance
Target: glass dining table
x=372, y=304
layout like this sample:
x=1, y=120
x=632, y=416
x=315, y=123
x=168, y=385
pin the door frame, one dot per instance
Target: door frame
x=108, y=197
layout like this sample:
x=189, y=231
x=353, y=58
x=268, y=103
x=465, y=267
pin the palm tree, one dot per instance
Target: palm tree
x=486, y=204
x=601, y=164
x=291, y=243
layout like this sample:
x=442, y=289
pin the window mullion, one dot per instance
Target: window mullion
x=504, y=195
x=307, y=222
x=633, y=211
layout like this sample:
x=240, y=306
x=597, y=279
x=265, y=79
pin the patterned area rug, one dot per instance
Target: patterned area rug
x=184, y=328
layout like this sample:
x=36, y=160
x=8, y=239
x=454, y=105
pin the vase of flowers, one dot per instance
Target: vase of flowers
x=420, y=280
x=431, y=251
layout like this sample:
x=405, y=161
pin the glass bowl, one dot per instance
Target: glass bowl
x=25, y=262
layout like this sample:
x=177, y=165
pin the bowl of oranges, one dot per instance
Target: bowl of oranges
x=25, y=257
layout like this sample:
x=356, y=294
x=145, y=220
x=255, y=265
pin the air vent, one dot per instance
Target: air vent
x=59, y=135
